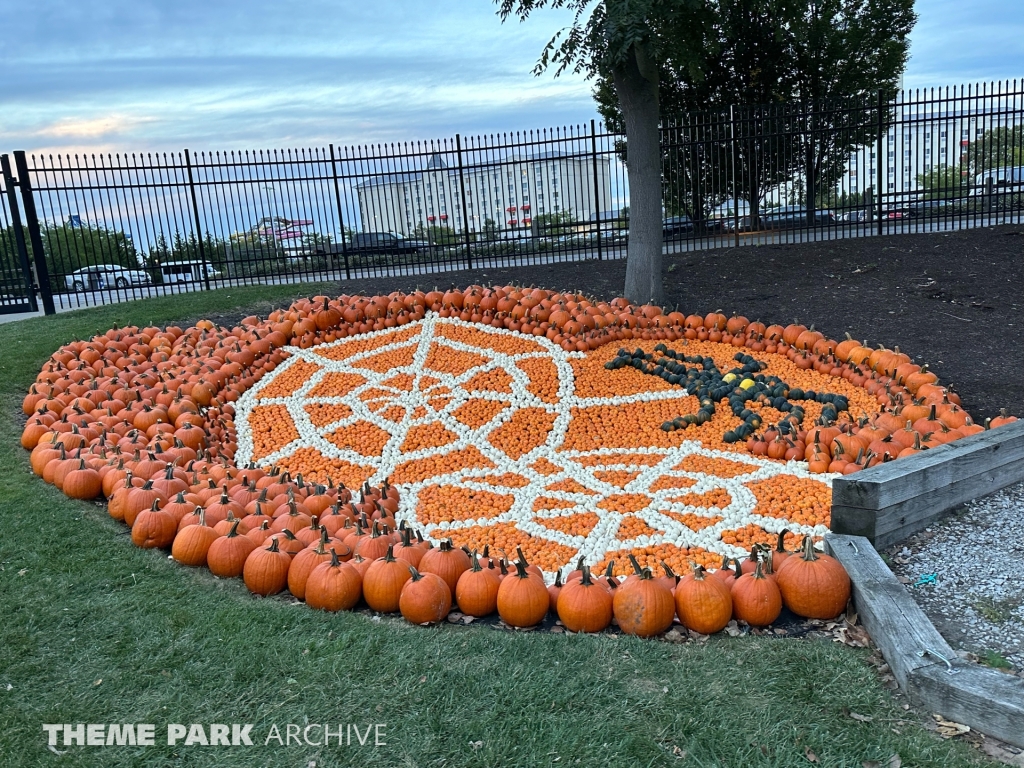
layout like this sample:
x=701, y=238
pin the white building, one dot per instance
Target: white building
x=922, y=139
x=507, y=192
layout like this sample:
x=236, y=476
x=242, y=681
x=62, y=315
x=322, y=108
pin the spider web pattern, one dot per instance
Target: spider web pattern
x=431, y=397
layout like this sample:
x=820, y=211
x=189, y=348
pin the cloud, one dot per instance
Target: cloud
x=149, y=74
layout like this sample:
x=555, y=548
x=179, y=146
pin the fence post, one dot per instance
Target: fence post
x=869, y=202
x=341, y=216
x=195, y=218
x=597, y=188
x=732, y=177
x=32, y=222
x=19, y=234
x=989, y=192
x=465, y=210
x=880, y=159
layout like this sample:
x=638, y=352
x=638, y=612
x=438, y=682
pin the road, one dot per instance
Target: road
x=66, y=302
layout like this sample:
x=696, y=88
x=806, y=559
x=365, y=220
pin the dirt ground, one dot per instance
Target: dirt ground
x=953, y=300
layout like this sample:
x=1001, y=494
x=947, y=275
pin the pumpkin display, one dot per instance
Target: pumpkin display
x=703, y=603
x=447, y=561
x=571, y=427
x=265, y=571
x=643, y=606
x=228, y=553
x=303, y=564
x=333, y=586
x=476, y=592
x=383, y=582
x=192, y=543
x=756, y=599
x=522, y=599
x=425, y=599
x=154, y=528
x=584, y=606
x=814, y=585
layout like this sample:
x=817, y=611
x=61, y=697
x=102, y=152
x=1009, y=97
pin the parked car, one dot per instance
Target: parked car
x=187, y=272
x=856, y=217
x=1006, y=180
x=100, y=276
x=924, y=208
x=788, y=216
x=677, y=226
x=386, y=243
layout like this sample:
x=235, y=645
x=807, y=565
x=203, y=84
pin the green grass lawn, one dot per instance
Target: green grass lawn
x=93, y=630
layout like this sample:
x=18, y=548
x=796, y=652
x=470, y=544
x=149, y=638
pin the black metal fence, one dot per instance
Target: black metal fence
x=95, y=229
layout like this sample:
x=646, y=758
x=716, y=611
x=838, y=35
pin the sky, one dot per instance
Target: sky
x=117, y=75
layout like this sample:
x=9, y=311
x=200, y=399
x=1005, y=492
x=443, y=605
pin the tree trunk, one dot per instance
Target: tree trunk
x=636, y=85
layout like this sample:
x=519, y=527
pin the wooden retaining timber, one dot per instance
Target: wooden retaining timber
x=924, y=665
x=889, y=502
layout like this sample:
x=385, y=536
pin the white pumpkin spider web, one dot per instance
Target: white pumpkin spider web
x=435, y=396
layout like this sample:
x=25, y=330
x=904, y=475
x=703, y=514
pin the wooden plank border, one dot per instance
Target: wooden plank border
x=889, y=502
x=986, y=700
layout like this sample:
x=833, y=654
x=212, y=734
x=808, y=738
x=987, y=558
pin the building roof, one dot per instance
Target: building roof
x=436, y=163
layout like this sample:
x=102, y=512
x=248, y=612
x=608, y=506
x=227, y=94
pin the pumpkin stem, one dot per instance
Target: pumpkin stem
x=475, y=562
x=522, y=557
x=230, y=534
x=446, y=545
x=324, y=536
x=669, y=572
x=521, y=571
x=585, y=579
x=635, y=564
x=273, y=546
x=808, y=553
x=781, y=545
x=389, y=556
x=335, y=562
x=416, y=575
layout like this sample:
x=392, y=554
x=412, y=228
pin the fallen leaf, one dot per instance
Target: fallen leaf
x=861, y=718
x=809, y=754
x=455, y=617
x=291, y=681
x=100, y=680
x=476, y=745
x=871, y=764
x=423, y=679
x=55, y=750
x=23, y=571
x=680, y=753
x=894, y=762
x=948, y=729
x=10, y=687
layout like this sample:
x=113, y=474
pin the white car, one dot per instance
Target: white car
x=100, y=276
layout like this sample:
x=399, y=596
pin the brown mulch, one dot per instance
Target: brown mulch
x=949, y=299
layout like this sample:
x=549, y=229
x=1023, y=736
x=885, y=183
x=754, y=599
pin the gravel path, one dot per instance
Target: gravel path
x=977, y=598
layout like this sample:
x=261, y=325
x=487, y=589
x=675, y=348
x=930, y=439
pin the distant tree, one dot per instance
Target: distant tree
x=553, y=224
x=489, y=229
x=1001, y=147
x=71, y=246
x=943, y=182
